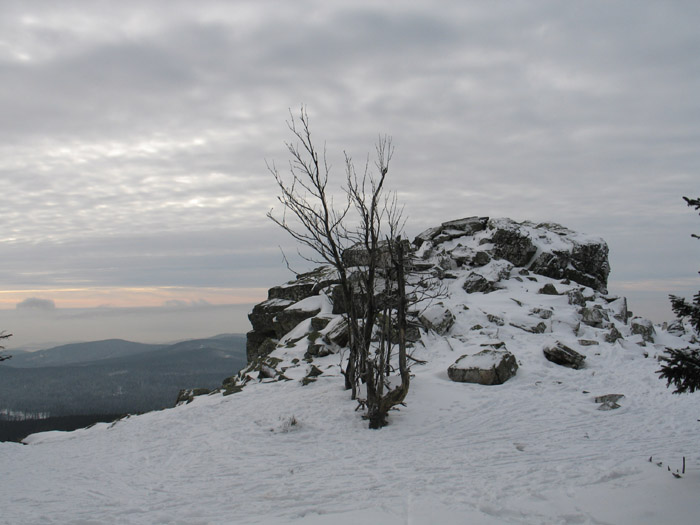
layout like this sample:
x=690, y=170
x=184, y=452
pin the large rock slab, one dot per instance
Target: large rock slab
x=561, y=354
x=491, y=366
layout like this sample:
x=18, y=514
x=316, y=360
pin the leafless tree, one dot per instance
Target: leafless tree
x=367, y=222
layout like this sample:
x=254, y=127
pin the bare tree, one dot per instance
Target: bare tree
x=374, y=293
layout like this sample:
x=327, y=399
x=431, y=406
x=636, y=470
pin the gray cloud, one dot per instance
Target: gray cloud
x=134, y=137
x=36, y=303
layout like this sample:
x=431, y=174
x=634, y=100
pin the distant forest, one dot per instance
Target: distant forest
x=71, y=392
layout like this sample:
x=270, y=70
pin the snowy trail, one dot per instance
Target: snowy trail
x=522, y=452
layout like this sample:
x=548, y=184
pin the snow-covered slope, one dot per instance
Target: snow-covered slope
x=536, y=449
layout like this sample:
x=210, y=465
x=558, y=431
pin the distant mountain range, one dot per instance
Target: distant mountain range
x=113, y=376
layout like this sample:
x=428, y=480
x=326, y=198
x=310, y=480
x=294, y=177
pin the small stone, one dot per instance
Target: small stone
x=587, y=342
x=548, y=289
x=612, y=398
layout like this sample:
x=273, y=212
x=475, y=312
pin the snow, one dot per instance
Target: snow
x=534, y=450
x=483, y=359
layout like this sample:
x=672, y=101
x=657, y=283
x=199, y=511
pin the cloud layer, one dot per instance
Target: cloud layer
x=134, y=134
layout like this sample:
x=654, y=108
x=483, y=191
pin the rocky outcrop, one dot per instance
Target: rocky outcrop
x=483, y=254
x=546, y=249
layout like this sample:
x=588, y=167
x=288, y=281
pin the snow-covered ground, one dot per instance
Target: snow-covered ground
x=535, y=449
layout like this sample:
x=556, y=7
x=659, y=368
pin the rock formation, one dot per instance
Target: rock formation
x=523, y=284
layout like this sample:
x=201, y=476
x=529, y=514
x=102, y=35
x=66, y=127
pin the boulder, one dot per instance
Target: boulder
x=481, y=259
x=338, y=334
x=595, y=317
x=618, y=305
x=478, y=283
x=643, y=327
x=561, y=354
x=576, y=297
x=498, y=321
x=542, y=313
x=608, y=401
x=548, y=289
x=438, y=318
x=491, y=366
x=451, y=230
x=317, y=350
x=613, y=335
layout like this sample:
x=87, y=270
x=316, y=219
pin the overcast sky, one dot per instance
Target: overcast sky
x=134, y=136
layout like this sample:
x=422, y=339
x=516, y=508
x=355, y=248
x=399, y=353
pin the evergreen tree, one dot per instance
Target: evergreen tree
x=682, y=366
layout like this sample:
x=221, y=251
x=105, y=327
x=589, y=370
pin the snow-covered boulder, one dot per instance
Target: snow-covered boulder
x=438, y=318
x=643, y=327
x=563, y=355
x=490, y=366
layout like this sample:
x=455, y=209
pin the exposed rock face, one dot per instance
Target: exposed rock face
x=512, y=243
x=491, y=366
x=287, y=319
